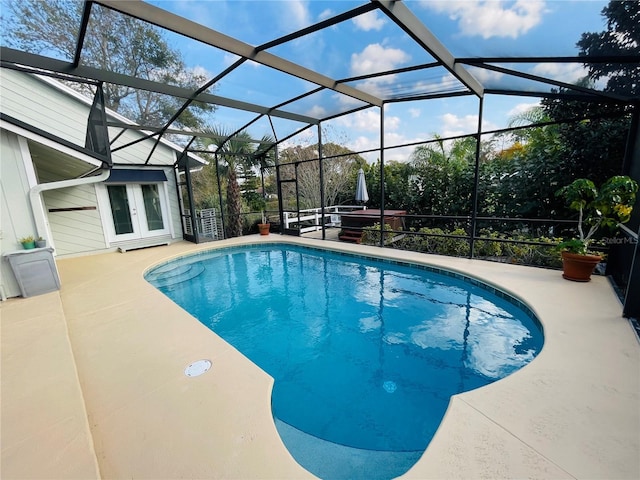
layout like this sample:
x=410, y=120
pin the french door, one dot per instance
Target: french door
x=137, y=211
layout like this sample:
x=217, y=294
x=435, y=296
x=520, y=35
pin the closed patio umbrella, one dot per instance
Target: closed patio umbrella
x=361, y=188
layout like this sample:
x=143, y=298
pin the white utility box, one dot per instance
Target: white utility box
x=35, y=270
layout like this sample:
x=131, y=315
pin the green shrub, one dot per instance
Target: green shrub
x=371, y=235
x=535, y=255
x=444, y=242
x=435, y=240
x=488, y=248
x=456, y=247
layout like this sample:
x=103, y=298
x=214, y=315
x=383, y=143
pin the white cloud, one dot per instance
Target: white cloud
x=414, y=112
x=521, y=108
x=378, y=87
x=345, y=101
x=447, y=83
x=453, y=125
x=317, y=111
x=391, y=123
x=483, y=75
x=229, y=58
x=201, y=71
x=304, y=138
x=367, y=123
x=364, y=121
x=400, y=154
x=369, y=21
x=491, y=18
x=376, y=58
x=362, y=143
x=564, y=72
x=325, y=14
x=296, y=14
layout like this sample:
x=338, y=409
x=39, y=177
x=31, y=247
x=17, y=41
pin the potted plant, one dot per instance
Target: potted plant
x=41, y=242
x=28, y=242
x=264, y=226
x=609, y=206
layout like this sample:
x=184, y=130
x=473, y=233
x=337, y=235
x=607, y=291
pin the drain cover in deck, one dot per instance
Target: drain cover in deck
x=197, y=368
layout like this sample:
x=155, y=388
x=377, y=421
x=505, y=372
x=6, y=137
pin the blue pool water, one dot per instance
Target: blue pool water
x=365, y=354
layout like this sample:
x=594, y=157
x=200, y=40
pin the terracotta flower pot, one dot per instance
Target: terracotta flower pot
x=579, y=268
x=264, y=228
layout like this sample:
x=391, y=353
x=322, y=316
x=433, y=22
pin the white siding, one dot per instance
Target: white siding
x=61, y=113
x=17, y=220
x=138, y=153
x=75, y=231
x=26, y=98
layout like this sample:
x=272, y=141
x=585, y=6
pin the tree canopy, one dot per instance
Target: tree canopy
x=339, y=173
x=113, y=42
x=595, y=148
x=622, y=37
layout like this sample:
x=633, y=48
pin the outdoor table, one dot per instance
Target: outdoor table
x=368, y=217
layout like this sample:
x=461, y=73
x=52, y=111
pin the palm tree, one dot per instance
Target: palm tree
x=237, y=150
x=531, y=116
x=264, y=156
x=230, y=149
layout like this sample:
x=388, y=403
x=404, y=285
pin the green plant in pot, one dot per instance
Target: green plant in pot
x=608, y=206
x=28, y=242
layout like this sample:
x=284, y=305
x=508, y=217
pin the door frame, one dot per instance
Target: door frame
x=134, y=191
x=280, y=181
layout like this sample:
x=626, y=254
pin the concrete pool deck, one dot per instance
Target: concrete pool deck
x=93, y=384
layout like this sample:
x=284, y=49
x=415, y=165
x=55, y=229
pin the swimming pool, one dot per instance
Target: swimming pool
x=364, y=353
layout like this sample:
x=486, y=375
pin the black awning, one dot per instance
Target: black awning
x=143, y=175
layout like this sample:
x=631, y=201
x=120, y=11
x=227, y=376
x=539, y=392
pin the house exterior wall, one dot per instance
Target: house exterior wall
x=138, y=153
x=75, y=231
x=75, y=216
x=30, y=100
x=169, y=193
x=65, y=113
x=83, y=231
x=17, y=219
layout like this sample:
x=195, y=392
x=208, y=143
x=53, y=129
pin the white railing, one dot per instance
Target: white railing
x=315, y=215
x=209, y=224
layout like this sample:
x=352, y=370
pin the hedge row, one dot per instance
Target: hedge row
x=538, y=251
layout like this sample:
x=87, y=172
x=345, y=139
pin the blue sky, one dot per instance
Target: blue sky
x=372, y=43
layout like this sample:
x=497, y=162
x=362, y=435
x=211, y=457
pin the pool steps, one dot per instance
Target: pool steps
x=166, y=277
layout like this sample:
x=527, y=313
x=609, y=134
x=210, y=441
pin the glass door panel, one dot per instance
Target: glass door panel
x=120, y=211
x=152, y=207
